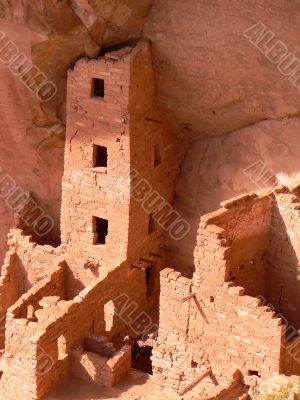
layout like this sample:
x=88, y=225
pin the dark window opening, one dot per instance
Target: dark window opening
x=98, y=87
x=141, y=359
x=152, y=224
x=150, y=280
x=157, y=155
x=194, y=364
x=253, y=373
x=100, y=156
x=100, y=227
x=211, y=299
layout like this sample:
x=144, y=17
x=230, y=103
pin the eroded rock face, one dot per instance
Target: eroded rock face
x=210, y=78
x=53, y=35
x=219, y=168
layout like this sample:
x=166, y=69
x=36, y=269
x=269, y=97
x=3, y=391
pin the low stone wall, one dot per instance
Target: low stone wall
x=33, y=260
x=100, y=370
x=215, y=320
x=53, y=339
x=231, y=244
x=22, y=360
x=196, y=334
x=17, y=315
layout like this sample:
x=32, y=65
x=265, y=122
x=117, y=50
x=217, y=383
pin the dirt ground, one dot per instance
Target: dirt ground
x=135, y=386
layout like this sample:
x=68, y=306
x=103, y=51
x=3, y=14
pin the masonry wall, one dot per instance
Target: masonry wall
x=33, y=261
x=283, y=291
x=52, y=339
x=232, y=244
x=23, y=361
x=229, y=331
x=291, y=353
x=155, y=156
x=88, y=191
x=9, y=291
x=214, y=322
x=127, y=123
x=101, y=370
x=25, y=264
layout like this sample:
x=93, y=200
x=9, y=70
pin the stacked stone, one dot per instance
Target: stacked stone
x=100, y=370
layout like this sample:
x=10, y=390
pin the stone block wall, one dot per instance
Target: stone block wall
x=232, y=242
x=292, y=353
x=53, y=285
x=25, y=264
x=22, y=361
x=88, y=190
x=284, y=254
x=9, y=291
x=100, y=370
x=197, y=334
x=142, y=159
x=33, y=261
x=63, y=327
x=214, y=321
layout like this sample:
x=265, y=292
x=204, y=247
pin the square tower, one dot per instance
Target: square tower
x=115, y=138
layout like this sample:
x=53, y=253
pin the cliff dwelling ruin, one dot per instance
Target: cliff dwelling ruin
x=139, y=260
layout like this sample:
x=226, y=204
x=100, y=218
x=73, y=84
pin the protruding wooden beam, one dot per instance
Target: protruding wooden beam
x=195, y=383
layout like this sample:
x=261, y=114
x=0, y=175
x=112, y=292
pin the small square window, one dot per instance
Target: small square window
x=157, y=155
x=99, y=156
x=100, y=228
x=98, y=87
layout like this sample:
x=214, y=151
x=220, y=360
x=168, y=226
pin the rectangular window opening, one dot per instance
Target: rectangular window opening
x=100, y=228
x=151, y=280
x=157, y=155
x=100, y=156
x=253, y=373
x=98, y=87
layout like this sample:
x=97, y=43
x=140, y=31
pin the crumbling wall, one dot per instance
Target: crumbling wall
x=283, y=290
x=232, y=242
x=210, y=323
x=66, y=325
x=22, y=361
x=101, y=370
x=25, y=264
x=9, y=291
x=53, y=285
x=33, y=261
x=230, y=330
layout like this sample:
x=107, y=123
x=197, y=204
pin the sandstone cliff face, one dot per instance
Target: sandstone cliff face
x=53, y=35
x=210, y=81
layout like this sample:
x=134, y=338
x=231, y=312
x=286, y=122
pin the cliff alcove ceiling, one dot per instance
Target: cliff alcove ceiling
x=193, y=97
x=210, y=80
